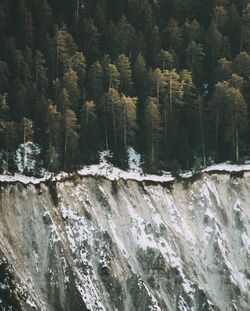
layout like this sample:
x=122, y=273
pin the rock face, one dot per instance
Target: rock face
x=94, y=244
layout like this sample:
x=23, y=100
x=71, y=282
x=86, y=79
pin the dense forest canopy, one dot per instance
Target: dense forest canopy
x=168, y=77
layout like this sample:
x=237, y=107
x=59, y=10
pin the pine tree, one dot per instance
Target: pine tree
x=24, y=24
x=193, y=31
x=125, y=37
x=172, y=90
x=88, y=134
x=195, y=57
x=141, y=14
x=224, y=70
x=27, y=133
x=165, y=60
x=236, y=81
x=71, y=137
x=89, y=39
x=200, y=110
x=191, y=120
x=171, y=94
x=155, y=45
x=242, y=64
x=88, y=114
x=140, y=76
x=245, y=29
x=233, y=28
x=152, y=123
x=158, y=80
x=229, y=103
x=214, y=47
x=105, y=62
x=78, y=64
x=10, y=139
x=65, y=49
x=226, y=48
x=42, y=22
x=127, y=120
x=173, y=34
x=113, y=77
x=54, y=132
x=220, y=17
x=217, y=108
x=4, y=18
x=95, y=80
x=235, y=118
x=124, y=68
x=40, y=74
x=70, y=84
x=4, y=108
x=18, y=99
x=4, y=76
x=112, y=104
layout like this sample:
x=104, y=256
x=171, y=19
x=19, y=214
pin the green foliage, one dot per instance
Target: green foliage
x=125, y=73
x=70, y=139
x=195, y=57
x=169, y=77
x=152, y=124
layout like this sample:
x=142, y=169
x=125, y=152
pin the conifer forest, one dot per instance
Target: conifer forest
x=170, y=78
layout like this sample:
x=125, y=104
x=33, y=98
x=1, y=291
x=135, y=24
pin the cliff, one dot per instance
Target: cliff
x=91, y=243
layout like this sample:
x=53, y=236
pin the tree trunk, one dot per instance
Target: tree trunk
x=65, y=150
x=241, y=41
x=7, y=152
x=105, y=128
x=165, y=128
x=171, y=95
x=202, y=137
x=77, y=11
x=114, y=124
x=236, y=138
x=87, y=119
x=216, y=133
x=57, y=56
x=24, y=141
x=152, y=154
x=125, y=130
x=158, y=91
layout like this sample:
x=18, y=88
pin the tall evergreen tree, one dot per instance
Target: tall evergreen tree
x=54, y=132
x=195, y=57
x=40, y=74
x=125, y=73
x=70, y=83
x=88, y=132
x=165, y=60
x=70, y=139
x=4, y=76
x=140, y=76
x=152, y=123
x=95, y=80
x=192, y=31
x=245, y=29
x=127, y=120
x=214, y=47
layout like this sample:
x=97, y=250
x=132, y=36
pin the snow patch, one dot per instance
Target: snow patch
x=27, y=157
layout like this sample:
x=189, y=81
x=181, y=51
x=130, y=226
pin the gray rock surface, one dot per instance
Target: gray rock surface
x=92, y=244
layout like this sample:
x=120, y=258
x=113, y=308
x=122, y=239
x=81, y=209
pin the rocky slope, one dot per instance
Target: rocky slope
x=90, y=243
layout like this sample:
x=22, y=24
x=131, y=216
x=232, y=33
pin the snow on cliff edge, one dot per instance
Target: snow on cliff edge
x=107, y=170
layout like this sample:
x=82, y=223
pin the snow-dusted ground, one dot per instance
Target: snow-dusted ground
x=130, y=246
x=134, y=172
x=113, y=173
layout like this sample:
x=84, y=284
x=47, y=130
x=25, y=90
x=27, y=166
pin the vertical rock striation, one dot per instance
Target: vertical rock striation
x=89, y=243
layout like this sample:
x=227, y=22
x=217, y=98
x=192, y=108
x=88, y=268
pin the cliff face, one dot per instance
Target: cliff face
x=94, y=244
